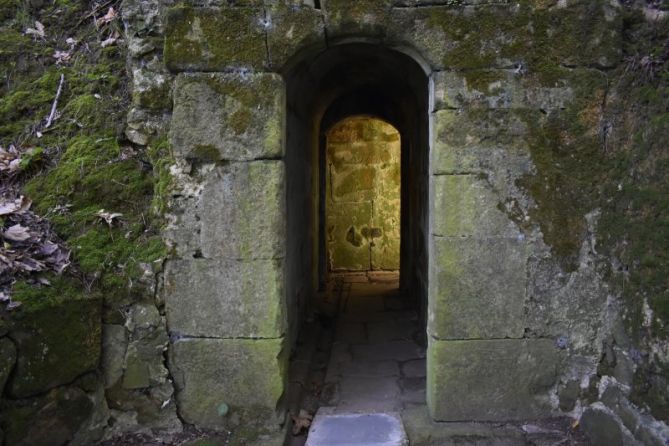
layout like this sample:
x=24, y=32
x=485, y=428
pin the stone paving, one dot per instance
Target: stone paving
x=376, y=364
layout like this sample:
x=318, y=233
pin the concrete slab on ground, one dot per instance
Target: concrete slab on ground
x=330, y=428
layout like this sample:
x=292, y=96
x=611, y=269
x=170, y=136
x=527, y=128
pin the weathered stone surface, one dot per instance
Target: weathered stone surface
x=353, y=429
x=604, y=428
x=366, y=17
x=55, y=345
x=242, y=211
x=151, y=90
x=423, y=430
x=52, y=419
x=489, y=141
x=7, y=360
x=215, y=39
x=114, y=345
x=352, y=250
x=225, y=298
x=466, y=205
x=231, y=116
x=490, y=380
x=477, y=288
x=244, y=374
x=496, y=89
x=589, y=35
x=293, y=28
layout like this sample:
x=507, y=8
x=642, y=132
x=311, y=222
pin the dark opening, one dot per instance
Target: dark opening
x=324, y=88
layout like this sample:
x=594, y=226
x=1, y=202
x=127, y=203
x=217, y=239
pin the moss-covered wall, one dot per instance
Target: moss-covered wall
x=74, y=171
x=559, y=109
x=363, y=195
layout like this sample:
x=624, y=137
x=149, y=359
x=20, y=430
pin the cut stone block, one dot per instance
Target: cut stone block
x=225, y=298
x=242, y=211
x=228, y=116
x=477, y=288
x=7, y=360
x=348, y=248
x=364, y=17
x=491, y=380
x=503, y=89
x=55, y=343
x=369, y=394
x=465, y=205
x=218, y=380
x=293, y=27
x=215, y=39
x=359, y=429
x=465, y=143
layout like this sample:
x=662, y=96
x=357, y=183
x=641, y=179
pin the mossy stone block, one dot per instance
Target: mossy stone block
x=215, y=39
x=466, y=205
x=55, y=343
x=7, y=360
x=477, y=288
x=496, y=89
x=491, y=380
x=228, y=116
x=225, y=298
x=344, y=18
x=293, y=28
x=242, y=211
x=51, y=419
x=348, y=248
x=473, y=142
x=114, y=346
x=247, y=375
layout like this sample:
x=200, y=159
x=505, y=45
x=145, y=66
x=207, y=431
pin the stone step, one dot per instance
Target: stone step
x=332, y=428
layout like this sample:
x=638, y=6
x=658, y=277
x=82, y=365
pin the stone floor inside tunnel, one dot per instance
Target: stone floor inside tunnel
x=376, y=363
x=361, y=357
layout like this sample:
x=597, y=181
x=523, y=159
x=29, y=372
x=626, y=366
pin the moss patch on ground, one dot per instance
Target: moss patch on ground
x=84, y=163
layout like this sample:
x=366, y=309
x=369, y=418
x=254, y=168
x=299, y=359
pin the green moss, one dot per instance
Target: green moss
x=59, y=320
x=201, y=38
x=240, y=120
x=540, y=39
x=62, y=289
x=160, y=154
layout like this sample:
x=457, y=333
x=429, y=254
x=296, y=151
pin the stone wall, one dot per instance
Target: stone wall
x=530, y=182
x=363, y=196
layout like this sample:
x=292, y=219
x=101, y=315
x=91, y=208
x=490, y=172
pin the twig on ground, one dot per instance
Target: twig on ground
x=55, y=102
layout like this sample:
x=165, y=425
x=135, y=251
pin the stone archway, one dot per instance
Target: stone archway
x=249, y=139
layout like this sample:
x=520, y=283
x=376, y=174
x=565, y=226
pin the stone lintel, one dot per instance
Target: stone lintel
x=215, y=39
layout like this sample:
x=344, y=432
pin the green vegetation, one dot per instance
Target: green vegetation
x=81, y=164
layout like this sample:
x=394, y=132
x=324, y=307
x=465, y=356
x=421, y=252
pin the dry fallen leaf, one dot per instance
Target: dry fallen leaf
x=62, y=56
x=108, y=217
x=38, y=30
x=111, y=40
x=301, y=422
x=17, y=206
x=16, y=233
x=110, y=16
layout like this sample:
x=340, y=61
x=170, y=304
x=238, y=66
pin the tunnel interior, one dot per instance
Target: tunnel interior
x=325, y=88
x=362, y=196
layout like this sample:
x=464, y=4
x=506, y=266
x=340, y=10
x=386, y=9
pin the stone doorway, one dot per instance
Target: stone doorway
x=374, y=275
x=362, y=196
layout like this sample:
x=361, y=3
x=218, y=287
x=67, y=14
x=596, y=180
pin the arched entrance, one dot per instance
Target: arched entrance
x=322, y=89
x=332, y=227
